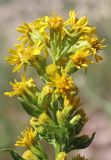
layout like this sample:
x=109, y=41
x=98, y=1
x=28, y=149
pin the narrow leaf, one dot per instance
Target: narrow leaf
x=13, y=154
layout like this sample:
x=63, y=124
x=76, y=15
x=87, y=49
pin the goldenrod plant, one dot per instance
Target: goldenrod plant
x=56, y=49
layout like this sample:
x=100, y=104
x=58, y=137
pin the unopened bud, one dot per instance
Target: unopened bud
x=28, y=155
x=61, y=156
x=75, y=119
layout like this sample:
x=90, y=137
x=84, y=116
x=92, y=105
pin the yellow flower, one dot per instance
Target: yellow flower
x=55, y=22
x=20, y=87
x=47, y=90
x=80, y=58
x=63, y=84
x=72, y=18
x=38, y=26
x=28, y=137
x=28, y=155
x=71, y=101
x=95, y=43
x=23, y=55
x=82, y=26
x=25, y=29
x=82, y=22
x=79, y=25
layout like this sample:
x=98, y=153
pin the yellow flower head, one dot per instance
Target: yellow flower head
x=28, y=155
x=23, y=55
x=80, y=58
x=20, y=87
x=95, y=43
x=63, y=84
x=79, y=25
x=37, y=26
x=71, y=101
x=55, y=23
x=25, y=29
x=28, y=137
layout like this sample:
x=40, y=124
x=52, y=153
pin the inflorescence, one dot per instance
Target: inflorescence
x=56, y=49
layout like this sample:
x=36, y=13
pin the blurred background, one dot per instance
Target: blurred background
x=95, y=86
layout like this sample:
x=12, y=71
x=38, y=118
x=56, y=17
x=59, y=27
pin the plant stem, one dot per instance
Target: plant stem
x=57, y=149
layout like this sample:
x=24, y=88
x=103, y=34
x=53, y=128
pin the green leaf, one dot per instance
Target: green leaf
x=13, y=154
x=80, y=142
x=56, y=131
x=67, y=43
x=30, y=108
x=39, y=152
x=40, y=66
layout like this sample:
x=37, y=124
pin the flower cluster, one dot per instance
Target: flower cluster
x=68, y=45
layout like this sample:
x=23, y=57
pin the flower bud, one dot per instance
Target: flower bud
x=28, y=155
x=60, y=118
x=46, y=90
x=61, y=156
x=55, y=23
x=43, y=119
x=75, y=119
x=51, y=69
